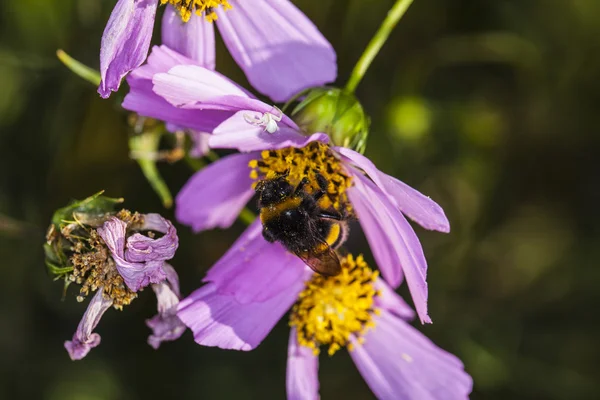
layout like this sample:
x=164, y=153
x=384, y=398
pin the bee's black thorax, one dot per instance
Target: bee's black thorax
x=292, y=217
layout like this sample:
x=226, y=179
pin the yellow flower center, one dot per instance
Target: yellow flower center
x=200, y=7
x=332, y=309
x=307, y=162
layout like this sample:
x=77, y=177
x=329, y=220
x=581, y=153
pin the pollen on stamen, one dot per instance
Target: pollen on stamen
x=332, y=310
x=204, y=8
x=307, y=162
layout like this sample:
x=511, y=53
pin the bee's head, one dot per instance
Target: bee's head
x=273, y=191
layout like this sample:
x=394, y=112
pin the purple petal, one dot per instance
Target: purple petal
x=188, y=85
x=302, y=375
x=219, y=320
x=399, y=362
x=395, y=246
x=84, y=339
x=215, y=195
x=125, y=41
x=200, y=146
x=142, y=99
x=390, y=300
x=281, y=51
x=415, y=205
x=254, y=270
x=135, y=275
x=142, y=248
x=411, y=202
x=237, y=133
x=194, y=39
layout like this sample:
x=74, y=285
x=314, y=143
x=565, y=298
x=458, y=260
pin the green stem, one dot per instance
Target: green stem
x=148, y=143
x=388, y=24
x=85, y=72
x=246, y=216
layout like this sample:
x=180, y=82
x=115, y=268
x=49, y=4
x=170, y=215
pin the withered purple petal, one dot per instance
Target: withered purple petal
x=135, y=274
x=142, y=248
x=84, y=338
x=165, y=325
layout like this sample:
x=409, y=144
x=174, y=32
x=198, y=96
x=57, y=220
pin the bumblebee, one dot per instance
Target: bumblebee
x=291, y=216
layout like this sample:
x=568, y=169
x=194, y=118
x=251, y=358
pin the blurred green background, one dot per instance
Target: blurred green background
x=489, y=106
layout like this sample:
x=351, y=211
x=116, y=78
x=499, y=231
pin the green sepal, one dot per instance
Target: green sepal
x=89, y=211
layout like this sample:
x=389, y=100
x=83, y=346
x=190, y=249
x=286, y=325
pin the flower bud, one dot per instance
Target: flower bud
x=336, y=113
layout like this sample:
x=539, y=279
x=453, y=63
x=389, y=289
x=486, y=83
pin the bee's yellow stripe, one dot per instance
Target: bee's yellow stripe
x=272, y=211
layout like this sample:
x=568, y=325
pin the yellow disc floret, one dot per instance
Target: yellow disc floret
x=307, y=162
x=331, y=310
x=200, y=7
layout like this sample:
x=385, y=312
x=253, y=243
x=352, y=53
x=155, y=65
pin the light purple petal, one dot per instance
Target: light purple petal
x=200, y=146
x=135, y=275
x=398, y=362
x=237, y=133
x=302, y=374
x=142, y=248
x=281, y=51
x=219, y=320
x=415, y=205
x=194, y=39
x=411, y=202
x=394, y=243
x=390, y=300
x=215, y=195
x=84, y=339
x=254, y=270
x=188, y=85
x=125, y=41
x=142, y=99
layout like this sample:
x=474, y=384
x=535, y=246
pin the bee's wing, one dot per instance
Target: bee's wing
x=325, y=263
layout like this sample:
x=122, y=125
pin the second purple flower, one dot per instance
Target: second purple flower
x=280, y=50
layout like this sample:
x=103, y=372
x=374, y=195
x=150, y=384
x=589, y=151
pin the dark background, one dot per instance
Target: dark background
x=490, y=107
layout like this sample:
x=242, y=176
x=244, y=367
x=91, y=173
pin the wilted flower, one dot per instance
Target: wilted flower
x=192, y=96
x=355, y=309
x=277, y=46
x=116, y=255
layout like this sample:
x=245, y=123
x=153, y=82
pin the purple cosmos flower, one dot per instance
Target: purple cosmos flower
x=191, y=96
x=119, y=259
x=278, y=47
x=355, y=309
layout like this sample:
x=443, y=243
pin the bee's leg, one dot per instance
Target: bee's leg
x=268, y=235
x=330, y=215
x=323, y=184
x=318, y=194
x=300, y=186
